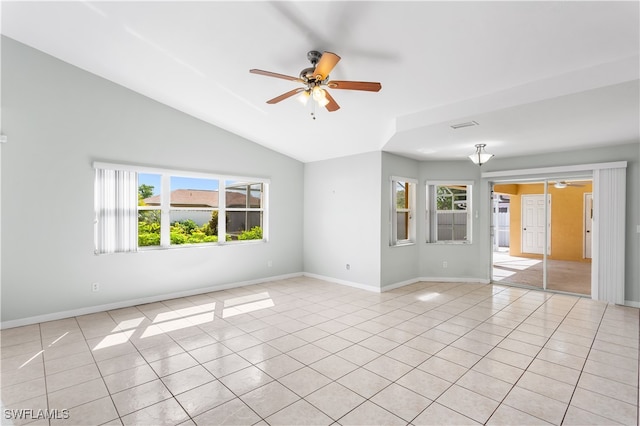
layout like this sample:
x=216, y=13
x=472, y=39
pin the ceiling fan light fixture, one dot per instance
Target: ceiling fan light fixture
x=480, y=156
x=304, y=97
x=318, y=93
x=323, y=101
x=560, y=185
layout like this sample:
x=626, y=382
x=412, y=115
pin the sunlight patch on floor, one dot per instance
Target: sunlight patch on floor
x=246, y=299
x=246, y=308
x=58, y=339
x=501, y=274
x=30, y=359
x=517, y=263
x=181, y=318
x=183, y=313
x=130, y=323
x=114, y=339
x=427, y=296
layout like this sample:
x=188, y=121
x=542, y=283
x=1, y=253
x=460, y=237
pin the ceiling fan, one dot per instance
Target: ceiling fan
x=563, y=184
x=315, y=81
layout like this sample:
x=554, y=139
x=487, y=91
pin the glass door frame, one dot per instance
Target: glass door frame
x=547, y=228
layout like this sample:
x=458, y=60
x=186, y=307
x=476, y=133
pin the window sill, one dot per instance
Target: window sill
x=447, y=243
x=403, y=244
x=200, y=245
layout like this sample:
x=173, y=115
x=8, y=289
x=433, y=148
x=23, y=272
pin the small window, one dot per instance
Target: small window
x=403, y=197
x=448, y=212
x=244, y=201
x=149, y=209
x=193, y=210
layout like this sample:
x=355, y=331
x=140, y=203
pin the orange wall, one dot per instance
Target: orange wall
x=566, y=219
x=506, y=188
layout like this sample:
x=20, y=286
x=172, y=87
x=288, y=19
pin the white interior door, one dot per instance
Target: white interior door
x=588, y=224
x=533, y=223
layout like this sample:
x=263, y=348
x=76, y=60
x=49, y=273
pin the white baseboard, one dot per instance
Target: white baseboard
x=632, y=304
x=434, y=279
x=134, y=302
x=343, y=282
x=393, y=286
x=455, y=280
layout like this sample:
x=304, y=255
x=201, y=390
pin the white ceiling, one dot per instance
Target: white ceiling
x=536, y=76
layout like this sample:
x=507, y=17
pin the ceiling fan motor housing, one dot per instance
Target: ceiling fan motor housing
x=314, y=56
x=307, y=73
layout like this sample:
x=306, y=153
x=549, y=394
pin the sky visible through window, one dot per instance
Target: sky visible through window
x=177, y=182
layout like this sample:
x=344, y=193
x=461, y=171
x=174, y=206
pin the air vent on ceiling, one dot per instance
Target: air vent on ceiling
x=466, y=124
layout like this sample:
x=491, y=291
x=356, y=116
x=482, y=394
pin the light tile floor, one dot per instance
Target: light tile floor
x=303, y=351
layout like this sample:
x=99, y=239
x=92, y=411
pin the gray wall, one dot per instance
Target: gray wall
x=342, y=220
x=463, y=260
x=399, y=263
x=59, y=119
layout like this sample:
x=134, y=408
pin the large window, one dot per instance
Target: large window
x=403, y=197
x=449, y=212
x=173, y=208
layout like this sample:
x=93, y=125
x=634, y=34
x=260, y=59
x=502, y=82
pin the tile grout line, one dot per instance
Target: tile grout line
x=44, y=370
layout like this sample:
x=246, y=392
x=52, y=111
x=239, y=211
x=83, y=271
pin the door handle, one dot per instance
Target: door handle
x=524, y=229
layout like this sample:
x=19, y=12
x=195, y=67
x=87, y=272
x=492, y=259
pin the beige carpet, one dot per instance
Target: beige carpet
x=562, y=275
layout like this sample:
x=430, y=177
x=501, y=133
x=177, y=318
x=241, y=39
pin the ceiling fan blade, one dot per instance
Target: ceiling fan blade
x=284, y=96
x=367, y=86
x=327, y=61
x=276, y=75
x=332, y=105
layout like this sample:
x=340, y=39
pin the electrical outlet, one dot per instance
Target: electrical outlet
x=269, y=264
x=95, y=287
x=444, y=264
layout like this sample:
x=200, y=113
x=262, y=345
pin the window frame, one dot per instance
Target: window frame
x=165, y=203
x=410, y=209
x=431, y=227
x=248, y=183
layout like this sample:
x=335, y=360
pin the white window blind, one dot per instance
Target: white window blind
x=116, y=210
x=607, y=272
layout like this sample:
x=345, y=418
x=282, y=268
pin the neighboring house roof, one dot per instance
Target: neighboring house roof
x=202, y=198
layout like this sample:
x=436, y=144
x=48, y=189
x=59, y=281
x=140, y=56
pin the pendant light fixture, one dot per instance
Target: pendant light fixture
x=480, y=156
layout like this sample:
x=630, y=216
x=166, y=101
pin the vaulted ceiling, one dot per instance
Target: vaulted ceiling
x=535, y=76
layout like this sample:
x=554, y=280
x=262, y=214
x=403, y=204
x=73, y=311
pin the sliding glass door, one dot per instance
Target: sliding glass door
x=541, y=232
